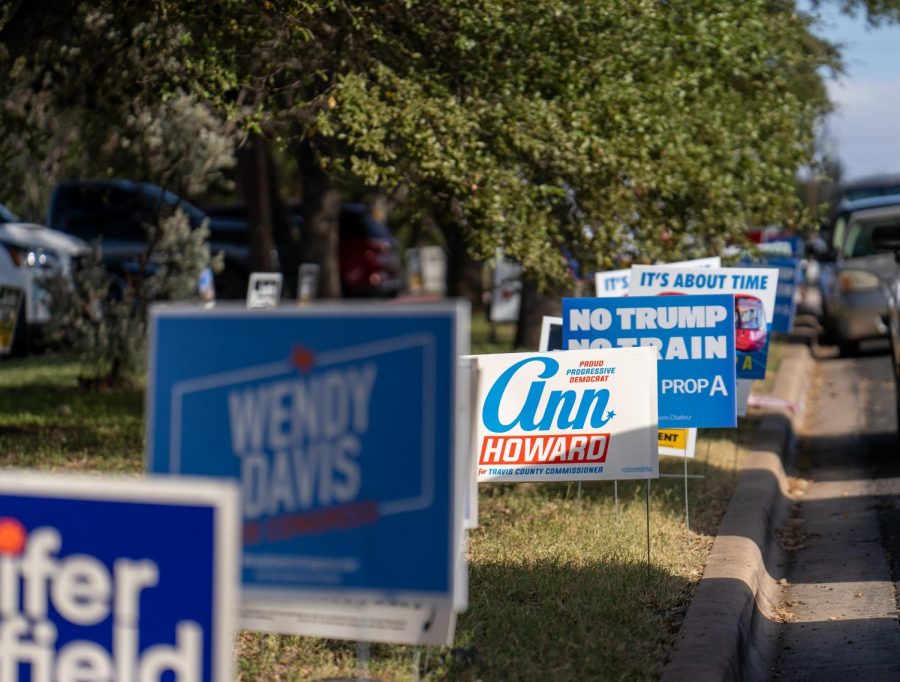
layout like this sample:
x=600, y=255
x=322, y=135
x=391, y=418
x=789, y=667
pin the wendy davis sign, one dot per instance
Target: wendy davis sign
x=693, y=337
x=754, y=292
x=339, y=422
x=114, y=579
x=567, y=416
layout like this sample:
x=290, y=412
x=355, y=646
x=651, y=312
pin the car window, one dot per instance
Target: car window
x=7, y=216
x=93, y=212
x=359, y=224
x=859, y=239
x=840, y=225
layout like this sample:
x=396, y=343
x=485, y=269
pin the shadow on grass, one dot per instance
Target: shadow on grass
x=550, y=620
x=49, y=401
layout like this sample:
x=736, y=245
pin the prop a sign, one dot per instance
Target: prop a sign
x=117, y=579
x=694, y=340
x=754, y=292
x=340, y=424
x=567, y=416
x=616, y=282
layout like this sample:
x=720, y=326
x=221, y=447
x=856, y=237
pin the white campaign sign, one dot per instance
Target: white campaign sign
x=389, y=622
x=648, y=280
x=616, y=282
x=743, y=396
x=567, y=416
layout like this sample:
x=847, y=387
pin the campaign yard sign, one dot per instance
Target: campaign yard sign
x=786, y=298
x=340, y=424
x=678, y=442
x=567, y=416
x=117, y=579
x=754, y=292
x=615, y=282
x=694, y=340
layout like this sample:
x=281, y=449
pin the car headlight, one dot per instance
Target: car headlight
x=858, y=280
x=33, y=257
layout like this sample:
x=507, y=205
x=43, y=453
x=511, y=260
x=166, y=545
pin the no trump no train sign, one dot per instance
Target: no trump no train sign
x=117, y=579
x=693, y=337
x=567, y=416
x=339, y=423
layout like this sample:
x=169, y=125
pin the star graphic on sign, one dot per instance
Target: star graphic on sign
x=302, y=359
x=610, y=415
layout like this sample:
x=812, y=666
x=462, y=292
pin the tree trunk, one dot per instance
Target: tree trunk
x=321, y=221
x=533, y=307
x=464, y=273
x=257, y=186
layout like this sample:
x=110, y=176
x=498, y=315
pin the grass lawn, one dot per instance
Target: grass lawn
x=559, y=583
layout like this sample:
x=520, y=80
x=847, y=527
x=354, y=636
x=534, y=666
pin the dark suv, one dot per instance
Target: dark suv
x=115, y=213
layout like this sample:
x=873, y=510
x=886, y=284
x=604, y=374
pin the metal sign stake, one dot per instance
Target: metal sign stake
x=648, y=529
x=616, y=493
x=417, y=659
x=687, y=513
x=362, y=660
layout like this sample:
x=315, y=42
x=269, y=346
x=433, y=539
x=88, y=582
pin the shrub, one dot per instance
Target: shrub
x=103, y=317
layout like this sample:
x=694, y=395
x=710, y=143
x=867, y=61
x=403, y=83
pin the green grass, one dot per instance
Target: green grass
x=559, y=584
x=47, y=421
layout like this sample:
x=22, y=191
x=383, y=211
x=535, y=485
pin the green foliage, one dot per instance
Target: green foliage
x=547, y=128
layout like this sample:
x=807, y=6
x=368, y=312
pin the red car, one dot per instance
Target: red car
x=749, y=323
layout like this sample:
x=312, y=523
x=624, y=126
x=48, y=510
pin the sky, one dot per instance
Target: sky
x=864, y=131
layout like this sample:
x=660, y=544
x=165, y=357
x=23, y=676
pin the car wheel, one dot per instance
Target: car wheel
x=847, y=348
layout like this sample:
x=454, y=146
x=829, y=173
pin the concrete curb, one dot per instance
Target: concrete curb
x=727, y=634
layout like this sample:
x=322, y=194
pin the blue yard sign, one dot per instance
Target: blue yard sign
x=694, y=336
x=117, y=579
x=338, y=421
x=789, y=278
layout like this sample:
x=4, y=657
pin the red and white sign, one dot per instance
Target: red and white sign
x=567, y=416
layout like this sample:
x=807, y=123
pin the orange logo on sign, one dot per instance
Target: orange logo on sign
x=12, y=536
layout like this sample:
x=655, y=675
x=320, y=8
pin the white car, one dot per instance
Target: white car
x=12, y=284
x=31, y=254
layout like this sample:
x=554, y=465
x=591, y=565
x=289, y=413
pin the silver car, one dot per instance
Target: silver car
x=886, y=238
x=36, y=253
x=854, y=305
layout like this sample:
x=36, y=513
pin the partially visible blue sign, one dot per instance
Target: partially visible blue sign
x=695, y=338
x=339, y=423
x=789, y=278
x=117, y=579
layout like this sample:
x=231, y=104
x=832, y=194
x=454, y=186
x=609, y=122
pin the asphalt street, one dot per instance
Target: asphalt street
x=839, y=604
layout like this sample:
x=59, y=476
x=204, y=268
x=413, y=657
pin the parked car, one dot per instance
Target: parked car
x=37, y=253
x=12, y=284
x=369, y=256
x=836, y=229
x=853, y=303
x=116, y=213
x=886, y=238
